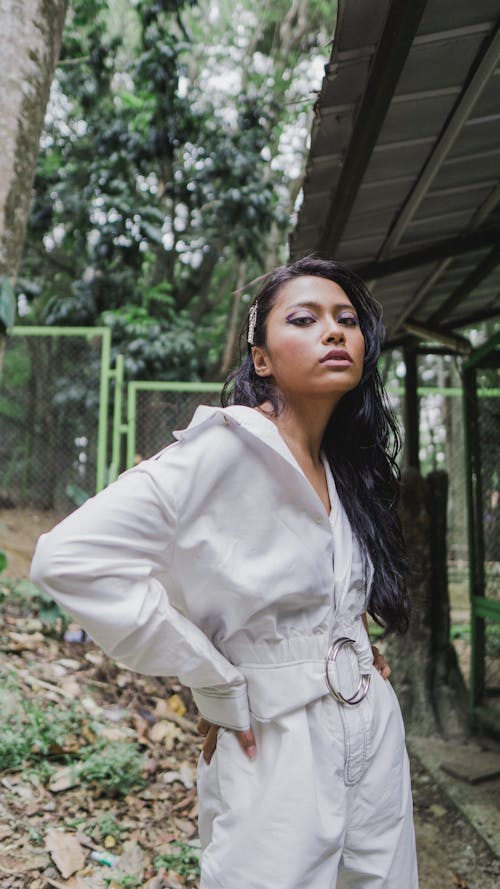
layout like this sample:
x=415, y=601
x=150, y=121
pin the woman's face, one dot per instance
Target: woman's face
x=314, y=344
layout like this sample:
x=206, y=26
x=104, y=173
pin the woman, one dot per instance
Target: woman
x=242, y=559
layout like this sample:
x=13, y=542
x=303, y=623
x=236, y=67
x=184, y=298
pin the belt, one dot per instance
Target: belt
x=364, y=680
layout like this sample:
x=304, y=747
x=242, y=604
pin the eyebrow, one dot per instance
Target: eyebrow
x=311, y=304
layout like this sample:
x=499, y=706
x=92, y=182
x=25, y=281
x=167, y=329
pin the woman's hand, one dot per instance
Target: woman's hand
x=380, y=663
x=209, y=730
x=379, y=660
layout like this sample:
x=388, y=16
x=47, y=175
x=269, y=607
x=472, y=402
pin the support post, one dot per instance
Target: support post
x=475, y=535
x=411, y=412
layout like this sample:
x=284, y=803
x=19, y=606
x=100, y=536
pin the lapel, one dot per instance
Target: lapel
x=250, y=420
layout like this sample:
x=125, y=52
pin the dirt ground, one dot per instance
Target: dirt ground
x=451, y=853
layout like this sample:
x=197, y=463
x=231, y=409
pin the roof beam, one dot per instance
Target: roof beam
x=485, y=267
x=475, y=317
x=458, y=343
x=418, y=299
x=431, y=253
x=401, y=25
x=485, y=65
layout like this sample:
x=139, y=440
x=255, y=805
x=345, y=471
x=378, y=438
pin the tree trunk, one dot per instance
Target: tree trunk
x=30, y=40
x=229, y=356
x=426, y=673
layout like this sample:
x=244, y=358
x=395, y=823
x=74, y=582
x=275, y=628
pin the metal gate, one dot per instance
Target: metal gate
x=154, y=409
x=482, y=443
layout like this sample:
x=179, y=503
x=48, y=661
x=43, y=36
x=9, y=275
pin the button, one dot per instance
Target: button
x=318, y=519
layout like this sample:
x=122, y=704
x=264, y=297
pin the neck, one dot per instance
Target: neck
x=302, y=425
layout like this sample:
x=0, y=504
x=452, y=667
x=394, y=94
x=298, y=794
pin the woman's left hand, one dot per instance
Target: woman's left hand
x=380, y=663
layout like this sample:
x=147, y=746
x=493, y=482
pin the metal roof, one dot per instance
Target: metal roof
x=403, y=176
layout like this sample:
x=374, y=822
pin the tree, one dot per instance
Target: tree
x=157, y=187
x=30, y=39
x=427, y=675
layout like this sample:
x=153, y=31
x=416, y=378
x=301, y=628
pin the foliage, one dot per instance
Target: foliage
x=3, y=561
x=126, y=882
x=7, y=304
x=155, y=181
x=108, y=826
x=36, y=602
x=39, y=733
x=35, y=730
x=116, y=768
x=183, y=860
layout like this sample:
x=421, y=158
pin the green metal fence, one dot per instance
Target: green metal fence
x=59, y=441
x=155, y=410
x=54, y=402
x=482, y=428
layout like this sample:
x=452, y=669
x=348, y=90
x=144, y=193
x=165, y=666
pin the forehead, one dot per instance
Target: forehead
x=311, y=288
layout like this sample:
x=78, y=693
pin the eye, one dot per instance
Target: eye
x=349, y=320
x=301, y=320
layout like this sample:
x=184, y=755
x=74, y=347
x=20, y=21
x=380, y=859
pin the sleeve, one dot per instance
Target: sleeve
x=107, y=564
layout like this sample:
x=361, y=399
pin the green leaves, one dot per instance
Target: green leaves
x=155, y=180
x=7, y=304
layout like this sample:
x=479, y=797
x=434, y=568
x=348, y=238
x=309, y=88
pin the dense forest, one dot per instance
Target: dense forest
x=169, y=168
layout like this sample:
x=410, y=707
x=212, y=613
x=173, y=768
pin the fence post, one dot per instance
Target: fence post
x=118, y=426
x=102, y=429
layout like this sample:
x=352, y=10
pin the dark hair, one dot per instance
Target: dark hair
x=361, y=440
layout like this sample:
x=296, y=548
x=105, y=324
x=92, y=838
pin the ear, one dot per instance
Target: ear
x=261, y=362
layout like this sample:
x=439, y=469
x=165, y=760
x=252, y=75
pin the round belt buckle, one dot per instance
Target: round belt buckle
x=364, y=680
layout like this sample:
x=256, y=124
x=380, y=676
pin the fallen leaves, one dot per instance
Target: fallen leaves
x=64, y=832
x=65, y=851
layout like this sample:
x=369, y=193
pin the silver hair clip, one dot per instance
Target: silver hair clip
x=252, y=321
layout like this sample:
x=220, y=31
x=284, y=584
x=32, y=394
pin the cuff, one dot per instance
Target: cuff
x=223, y=705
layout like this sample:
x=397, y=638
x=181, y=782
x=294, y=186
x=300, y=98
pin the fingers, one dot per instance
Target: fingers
x=380, y=663
x=202, y=726
x=247, y=741
x=210, y=743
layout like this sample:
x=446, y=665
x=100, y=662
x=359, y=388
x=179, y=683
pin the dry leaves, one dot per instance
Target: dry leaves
x=65, y=851
x=52, y=826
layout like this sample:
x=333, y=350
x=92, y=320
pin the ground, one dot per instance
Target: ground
x=98, y=774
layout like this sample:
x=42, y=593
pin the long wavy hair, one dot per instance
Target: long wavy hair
x=361, y=440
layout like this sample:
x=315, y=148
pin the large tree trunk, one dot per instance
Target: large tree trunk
x=30, y=40
x=425, y=666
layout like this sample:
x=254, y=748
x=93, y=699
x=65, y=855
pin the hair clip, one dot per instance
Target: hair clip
x=252, y=321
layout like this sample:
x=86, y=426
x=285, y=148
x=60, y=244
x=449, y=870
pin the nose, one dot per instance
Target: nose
x=334, y=332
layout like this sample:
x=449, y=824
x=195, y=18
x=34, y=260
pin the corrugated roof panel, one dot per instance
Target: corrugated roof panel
x=444, y=14
x=438, y=64
x=467, y=198
x=461, y=167
x=428, y=175
x=359, y=24
x=417, y=117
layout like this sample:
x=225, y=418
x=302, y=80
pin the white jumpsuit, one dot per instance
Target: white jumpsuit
x=215, y=561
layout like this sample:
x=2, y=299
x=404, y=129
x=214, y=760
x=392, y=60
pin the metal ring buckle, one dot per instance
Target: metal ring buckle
x=363, y=684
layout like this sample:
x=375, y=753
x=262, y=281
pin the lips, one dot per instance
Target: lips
x=337, y=355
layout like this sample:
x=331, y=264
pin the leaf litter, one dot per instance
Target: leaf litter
x=70, y=815
x=62, y=828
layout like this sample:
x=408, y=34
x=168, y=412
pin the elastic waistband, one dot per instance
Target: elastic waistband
x=311, y=648
x=276, y=652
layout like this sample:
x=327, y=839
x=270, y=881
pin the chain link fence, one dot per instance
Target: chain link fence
x=53, y=403
x=156, y=410
x=489, y=448
x=442, y=446
x=49, y=416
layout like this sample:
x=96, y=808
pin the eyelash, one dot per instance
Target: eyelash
x=353, y=322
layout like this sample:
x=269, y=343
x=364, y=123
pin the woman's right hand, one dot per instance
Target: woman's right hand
x=209, y=730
